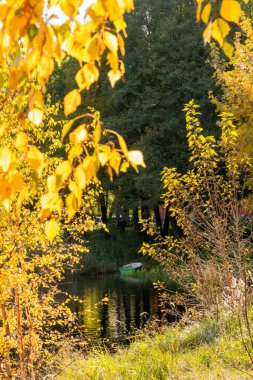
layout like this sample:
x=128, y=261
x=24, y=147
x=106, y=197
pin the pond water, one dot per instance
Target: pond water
x=131, y=303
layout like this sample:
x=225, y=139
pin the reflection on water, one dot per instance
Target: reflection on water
x=131, y=303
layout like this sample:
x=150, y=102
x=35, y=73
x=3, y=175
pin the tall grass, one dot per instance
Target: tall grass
x=206, y=351
x=154, y=275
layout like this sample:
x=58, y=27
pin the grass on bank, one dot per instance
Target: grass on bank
x=154, y=275
x=109, y=252
x=206, y=351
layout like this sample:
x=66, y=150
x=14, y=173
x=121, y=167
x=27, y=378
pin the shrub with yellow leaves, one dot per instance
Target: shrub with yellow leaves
x=235, y=79
x=211, y=261
x=32, y=324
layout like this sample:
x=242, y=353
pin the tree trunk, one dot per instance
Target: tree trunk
x=136, y=220
x=166, y=223
x=111, y=212
x=103, y=208
x=7, y=361
x=125, y=215
x=176, y=230
x=21, y=352
x=158, y=220
x=145, y=214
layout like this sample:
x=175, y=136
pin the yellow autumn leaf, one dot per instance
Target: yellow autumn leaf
x=13, y=78
x=231, y=10
x=71, y=204
x=49, y=200
x=207, y=34
x=75, y=151
x=36, y=160
x=87, y=75
x=113, y=61
x=68, y=125
x=35, y=116
x=6, y=204
x=124, y=166
x=224, y=27
x=220, y=30
x=228, y=49
x=79, y=135
x=44, y=214
x=36, y=98
x=114, y=76
x=113, y=9
x=70, y=8
x=96, y=10
x=52, y=183
x=64, y=170
x=32, y=60
x=198, y=12
x=111, y=42
x=66, y=128
x=90, y=166
x=80, y=177
x=16, y=180
x=122, y=67
x=127, y=5
x=109, y=172
x=92, y=48
x=216, y=33
x=52, y=202
x=206, y=13
x=71, y=101
x=5, y=189
x=135, y=157
x=77, y=191
x=104, y=157
x=123, y=145
x=21, y=142
x=115, y=161
x=121, y=44
x=120, y=24
x=51, y=229
x=5, y=158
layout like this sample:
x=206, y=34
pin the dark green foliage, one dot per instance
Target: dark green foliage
x=165, y=68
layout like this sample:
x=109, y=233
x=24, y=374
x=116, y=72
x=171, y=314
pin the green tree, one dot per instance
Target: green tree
x=165, y=67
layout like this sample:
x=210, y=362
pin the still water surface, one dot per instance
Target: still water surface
x=131, y=303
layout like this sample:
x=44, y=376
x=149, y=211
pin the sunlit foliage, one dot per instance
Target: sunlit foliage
x=218, y=17
x=235, y=79
x=34, y=36
x=48, y=168
x=212, y=253
x=33, y=325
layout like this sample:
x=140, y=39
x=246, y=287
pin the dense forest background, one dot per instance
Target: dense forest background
x=166, y=66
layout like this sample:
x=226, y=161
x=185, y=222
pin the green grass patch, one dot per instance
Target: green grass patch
x=154, y=275
x=209, y=351
x=109, y=252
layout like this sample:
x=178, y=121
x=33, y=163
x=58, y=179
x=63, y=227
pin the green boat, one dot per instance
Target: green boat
x=130, y=268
